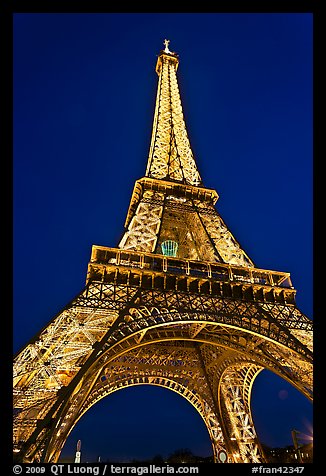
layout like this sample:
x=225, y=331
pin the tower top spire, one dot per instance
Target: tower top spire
x=170, y=156
x=166, y=49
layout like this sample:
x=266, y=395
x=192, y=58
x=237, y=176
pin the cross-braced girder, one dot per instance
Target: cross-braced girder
x=162, y=210
x=132, y=324
x=166, y=365
x=234, y=395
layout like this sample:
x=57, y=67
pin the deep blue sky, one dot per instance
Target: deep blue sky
x=84, y=96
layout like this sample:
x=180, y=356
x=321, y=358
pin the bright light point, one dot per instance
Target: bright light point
x=310, y=430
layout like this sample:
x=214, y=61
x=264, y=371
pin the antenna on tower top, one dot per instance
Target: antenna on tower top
x=166, y=49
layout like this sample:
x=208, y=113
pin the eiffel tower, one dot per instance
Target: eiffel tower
x=178, y=304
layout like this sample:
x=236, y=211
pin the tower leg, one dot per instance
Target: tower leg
x=234, y=398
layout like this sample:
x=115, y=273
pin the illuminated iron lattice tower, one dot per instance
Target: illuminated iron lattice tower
x=177, y=304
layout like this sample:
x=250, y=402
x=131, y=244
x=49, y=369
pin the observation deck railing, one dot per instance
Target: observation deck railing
x=198, y=269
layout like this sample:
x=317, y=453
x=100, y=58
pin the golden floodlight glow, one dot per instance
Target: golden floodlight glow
x=177, y=304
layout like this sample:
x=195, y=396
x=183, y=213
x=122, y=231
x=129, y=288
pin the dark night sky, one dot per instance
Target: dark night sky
x=84, y=96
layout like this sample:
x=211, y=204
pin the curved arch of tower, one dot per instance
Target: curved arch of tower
x=177, y=304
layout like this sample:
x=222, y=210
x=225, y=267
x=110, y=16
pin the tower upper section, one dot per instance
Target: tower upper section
x=170, y=209
x=170, y=155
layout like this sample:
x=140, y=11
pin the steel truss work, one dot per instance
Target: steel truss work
x=203, y=323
